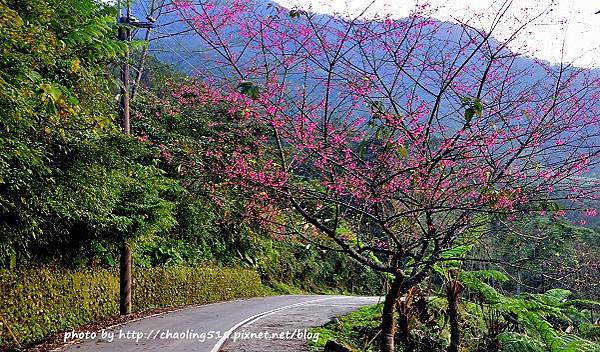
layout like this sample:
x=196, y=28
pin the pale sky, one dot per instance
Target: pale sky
x=571, y=24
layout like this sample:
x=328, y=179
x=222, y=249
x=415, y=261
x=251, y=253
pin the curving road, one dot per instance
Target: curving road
x=262, y=324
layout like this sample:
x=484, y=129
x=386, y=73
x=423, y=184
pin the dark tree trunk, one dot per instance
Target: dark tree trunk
x=388, y=321
x=404, y=331
x=453, y=291
x=405, y=307
x=125, y=280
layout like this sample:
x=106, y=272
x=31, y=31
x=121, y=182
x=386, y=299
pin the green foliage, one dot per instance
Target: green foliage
x=354, y=330
x=559, y=254
x=58, y=138
x=517, y=342
x=473, y=107
x=211, y=216
x=546, y=322
x=37, y=302
x=118, y=197
x=490, y=321
x=456, y=252
x=178, y=286
x=475, y=281
x=40, y=301
x=292, y=263
x=249, y=89
x=160, y=251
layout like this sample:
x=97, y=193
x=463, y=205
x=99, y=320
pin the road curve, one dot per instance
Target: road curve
x=276, y=323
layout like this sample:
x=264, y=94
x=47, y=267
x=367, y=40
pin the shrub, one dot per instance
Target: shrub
x=355, y=331
x=37, y=302
x=177, y=286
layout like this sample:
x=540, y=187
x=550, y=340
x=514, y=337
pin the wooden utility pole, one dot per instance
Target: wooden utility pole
x=124, y=36
x=125, y=275
x=125, y=23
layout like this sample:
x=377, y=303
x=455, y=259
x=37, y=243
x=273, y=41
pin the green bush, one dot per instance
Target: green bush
x=37, y=302
x=291, y=263
x=177, y=286
x=354, y=331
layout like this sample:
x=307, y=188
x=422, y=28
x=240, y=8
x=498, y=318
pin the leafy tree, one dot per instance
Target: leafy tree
x=541, y=253
x=393, y=132
x=217, y=218
x=66, y=174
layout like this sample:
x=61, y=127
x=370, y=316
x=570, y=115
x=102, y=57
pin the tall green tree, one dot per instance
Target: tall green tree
x=66, y=174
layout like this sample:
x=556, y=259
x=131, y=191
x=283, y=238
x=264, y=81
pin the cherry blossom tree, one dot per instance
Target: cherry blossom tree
x=395, y=141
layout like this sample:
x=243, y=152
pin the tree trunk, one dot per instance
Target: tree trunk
x=453, y=291
x=388, y=321
x=405, y=307
x=125, y=280
x=404, y=330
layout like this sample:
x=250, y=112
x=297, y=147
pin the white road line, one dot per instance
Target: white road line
x=114, y=326
x=256, y=317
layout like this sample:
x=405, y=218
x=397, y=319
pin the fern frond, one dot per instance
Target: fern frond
x=516, y=342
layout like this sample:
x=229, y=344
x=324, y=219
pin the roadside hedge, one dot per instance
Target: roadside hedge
x=191, y=285
x=37, y=302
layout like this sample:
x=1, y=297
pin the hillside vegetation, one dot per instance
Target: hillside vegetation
x=310, y=154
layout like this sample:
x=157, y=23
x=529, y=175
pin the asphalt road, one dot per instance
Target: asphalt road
x=254, y=325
